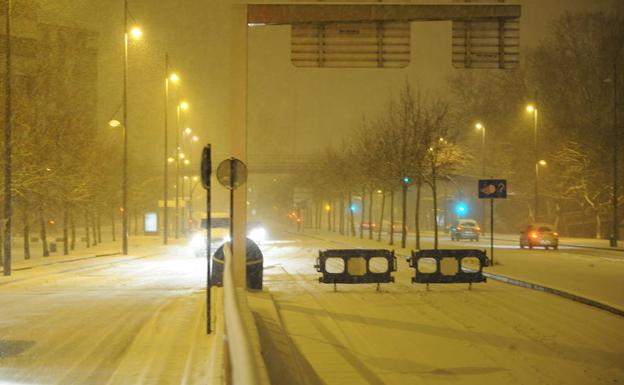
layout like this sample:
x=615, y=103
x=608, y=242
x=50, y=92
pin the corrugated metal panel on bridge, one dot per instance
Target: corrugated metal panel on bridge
x=365, y=45
x=486, y=43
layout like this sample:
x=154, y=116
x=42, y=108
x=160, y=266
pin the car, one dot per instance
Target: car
x=539, y=234
x=366, y=226
x=465, y=229
x=220, y=233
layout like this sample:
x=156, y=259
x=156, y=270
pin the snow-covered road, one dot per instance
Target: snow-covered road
x=493, y=334
x=109, y=320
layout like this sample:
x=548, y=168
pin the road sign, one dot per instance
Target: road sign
x=232, y=173
x=380, y=44
x=206, y=167
x=492, y=188
x=486, y=43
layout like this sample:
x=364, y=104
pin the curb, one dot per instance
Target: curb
x=557, y=292
x=78, y=258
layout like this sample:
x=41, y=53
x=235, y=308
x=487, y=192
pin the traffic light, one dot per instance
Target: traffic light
x=461, y=209
x=354, y=208
x=407, y=179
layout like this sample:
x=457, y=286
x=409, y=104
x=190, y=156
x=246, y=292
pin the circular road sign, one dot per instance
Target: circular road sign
x=232, y=173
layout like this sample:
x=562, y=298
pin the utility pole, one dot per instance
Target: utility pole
x=616, y=138
x=166, y=157
x=8, y=120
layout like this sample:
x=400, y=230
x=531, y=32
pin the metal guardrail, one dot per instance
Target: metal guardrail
x=356, y=267
x=242, y=368
x=449, y=266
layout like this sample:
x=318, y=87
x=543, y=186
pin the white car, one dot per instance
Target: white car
x=220, y=233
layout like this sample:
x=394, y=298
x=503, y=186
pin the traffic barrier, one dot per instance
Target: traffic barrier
x=354, y=266
x=243, y=366
x=254, y=262
x=451, y=266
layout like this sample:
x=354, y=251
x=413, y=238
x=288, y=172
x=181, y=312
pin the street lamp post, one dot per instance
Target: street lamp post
x=8, y=120
x=537, y=164
x=191, y=190
x=174, y=78
x=533, y=110
x=614, y=198
x=124, y=199
x=480, y=127
x=186, y=133
x=179, y=155
x=136, y=33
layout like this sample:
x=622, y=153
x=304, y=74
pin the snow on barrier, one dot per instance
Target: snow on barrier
x=244, y=366
x=451, y=266
x=353, y=266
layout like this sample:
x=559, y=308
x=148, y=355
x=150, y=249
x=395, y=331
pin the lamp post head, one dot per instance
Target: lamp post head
x=479, y=126
x=530, y=108
x=188, y=130
x=114, y=123
x=542, y=162
x=136, y=32
x=174, y=77
x=184, y=106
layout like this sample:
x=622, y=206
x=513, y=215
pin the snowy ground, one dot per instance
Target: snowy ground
x=140, y=319
x=493, y=334
x=137, y=319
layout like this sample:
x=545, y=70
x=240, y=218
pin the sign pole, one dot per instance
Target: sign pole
x=492, y=230
x=206, y=171
x=208, y=252
x=492, y=189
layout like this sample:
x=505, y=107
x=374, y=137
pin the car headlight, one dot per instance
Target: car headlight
x=198, y=241
x=258, y=234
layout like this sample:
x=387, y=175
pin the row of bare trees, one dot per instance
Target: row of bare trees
x=573, y=76
x=410, y=145
x=66, y=173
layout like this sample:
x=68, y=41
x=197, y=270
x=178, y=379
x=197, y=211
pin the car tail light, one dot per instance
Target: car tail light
x=533, y=235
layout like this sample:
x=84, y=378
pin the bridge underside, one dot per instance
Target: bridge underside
x=333, y=13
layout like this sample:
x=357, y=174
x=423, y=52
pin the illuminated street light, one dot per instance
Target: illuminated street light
x=114, y=123
x=187, y=162
x=188, y=130
x=184, y=106
x=181, y=155
x=136, y=32
x=170, y=159
x=174, y=77
x=542, y=162
x=195, y=138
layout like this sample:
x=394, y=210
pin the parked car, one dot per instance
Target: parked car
x=539, y=234
x=465, y=229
